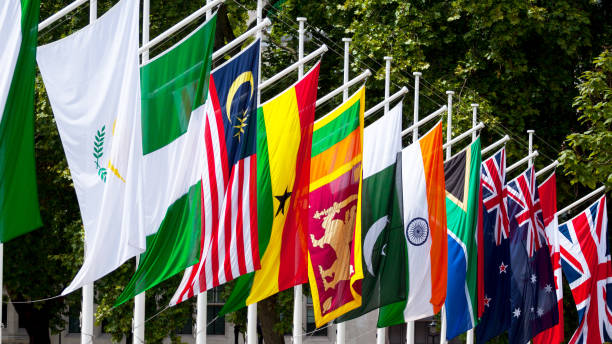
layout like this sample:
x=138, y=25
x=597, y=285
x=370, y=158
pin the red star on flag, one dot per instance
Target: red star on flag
x=502, y=268
x=486, y=301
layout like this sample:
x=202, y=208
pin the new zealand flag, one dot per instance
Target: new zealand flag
x=533, y=303
x=496, y=316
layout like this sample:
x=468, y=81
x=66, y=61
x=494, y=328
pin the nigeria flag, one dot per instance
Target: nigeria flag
x=383, y=244
x=462, y=175
x=18, y=197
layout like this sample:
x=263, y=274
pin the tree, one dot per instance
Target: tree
x=588, y=158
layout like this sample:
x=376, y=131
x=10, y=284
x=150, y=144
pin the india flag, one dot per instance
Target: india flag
x=424, y=231
x=18, y=196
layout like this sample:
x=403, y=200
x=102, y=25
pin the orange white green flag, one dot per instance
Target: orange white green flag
x=334, y=240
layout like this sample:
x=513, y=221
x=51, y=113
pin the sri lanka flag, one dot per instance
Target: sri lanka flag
x=462, y=179
x=334, y=232
x=284, y=137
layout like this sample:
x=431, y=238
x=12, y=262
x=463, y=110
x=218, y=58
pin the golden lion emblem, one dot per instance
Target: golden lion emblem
x=338, y=234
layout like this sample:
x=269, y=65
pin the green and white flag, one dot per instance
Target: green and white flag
x=175, y=99
x=92, y=80
x=19, y=212
x=383, y=244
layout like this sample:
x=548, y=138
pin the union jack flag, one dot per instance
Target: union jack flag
x=493, y=180
x=522, y=191
x=585, y=258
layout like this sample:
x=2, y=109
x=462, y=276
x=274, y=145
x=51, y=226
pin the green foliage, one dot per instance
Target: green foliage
x=588, y=159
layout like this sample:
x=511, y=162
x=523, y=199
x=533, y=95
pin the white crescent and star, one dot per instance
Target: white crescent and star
x=370, y=239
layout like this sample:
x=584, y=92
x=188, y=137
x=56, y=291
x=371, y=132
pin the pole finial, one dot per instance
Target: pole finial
x=450, y=92
x=347, y=39
x=417, y=73
x=301, y=19
x=388, y=58
x=530, y=131
x=474, y=105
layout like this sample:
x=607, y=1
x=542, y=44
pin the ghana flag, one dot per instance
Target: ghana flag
x=284, y=136
x=334, y=240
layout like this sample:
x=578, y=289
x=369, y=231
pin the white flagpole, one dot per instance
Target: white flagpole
x=202, y=298
x=87, y=315
x=470, y=333
x=415, y=138
x=381, y=332
x=252, y=309
x=1, y=286
x=530, y=132
x=449, y=135
x=341, y=327
x=139, y=300
x=297, y=290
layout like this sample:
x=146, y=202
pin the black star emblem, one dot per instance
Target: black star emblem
x=281, y=202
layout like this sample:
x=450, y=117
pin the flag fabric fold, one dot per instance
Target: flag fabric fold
x=93, y=84
x=384, y=251
x=228, y=246
x=334, y=231
x=284, y=136
x=585, y=258
x=533, y=303
x=175, y=100
x=548, y=199
x=19, y=211
x=462, y=180
x=496, y=249
x=424, y=213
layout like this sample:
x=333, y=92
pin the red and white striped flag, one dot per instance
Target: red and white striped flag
x=229, y=246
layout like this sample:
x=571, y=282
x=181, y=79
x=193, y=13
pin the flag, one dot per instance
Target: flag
x=548, y=199
x=228, y=246
x=175, y=100
x=462, y=180
x=585, y=258
x=533, y=302
x=284, y=136
x=19, y=212
x=92, y=81
x=382, y=242
x=334, y=231
x=422, y=165
x=496, y=249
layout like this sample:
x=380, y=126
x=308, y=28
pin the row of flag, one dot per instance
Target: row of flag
x=180, y=165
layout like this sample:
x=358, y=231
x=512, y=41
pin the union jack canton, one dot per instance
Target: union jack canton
x=585, y=259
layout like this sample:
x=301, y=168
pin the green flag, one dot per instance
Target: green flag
x=462, y=175
x=19, y=212
x=383, y=244
x=175, y=97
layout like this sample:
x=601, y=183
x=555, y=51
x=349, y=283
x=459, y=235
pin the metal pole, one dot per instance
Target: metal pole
x=341, y=327
x=87, y=315
x=449, y=122
x=381, y=332
x=530, y=132
x=449, y=135
x=139, y=300
x=474, y=120
x=347, y=42
x=297, y=290
x=387, y=80
x=252, y=309
x=415, y=115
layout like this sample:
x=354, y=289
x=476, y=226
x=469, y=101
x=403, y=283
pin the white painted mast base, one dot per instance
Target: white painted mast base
x=252, y=324
x=443, y=325
x=201, y=318
x=380, y=335
x=410, y=327
x=1, y=285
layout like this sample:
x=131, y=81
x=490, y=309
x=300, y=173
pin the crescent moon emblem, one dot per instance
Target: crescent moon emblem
x=370, y=239
x=241, y=79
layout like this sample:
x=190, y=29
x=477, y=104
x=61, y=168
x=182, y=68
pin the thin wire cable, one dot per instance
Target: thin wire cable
x=34, y=301
x=74, y=13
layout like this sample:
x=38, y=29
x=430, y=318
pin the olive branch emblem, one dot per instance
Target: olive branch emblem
x=98, y=152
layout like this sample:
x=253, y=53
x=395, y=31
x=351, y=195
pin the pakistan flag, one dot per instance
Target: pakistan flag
x=383, y=244
x=462, y=175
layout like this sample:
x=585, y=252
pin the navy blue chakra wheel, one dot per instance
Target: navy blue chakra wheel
x=417, y=231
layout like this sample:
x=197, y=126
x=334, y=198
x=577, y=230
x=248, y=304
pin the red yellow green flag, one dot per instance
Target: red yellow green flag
x=334, y=240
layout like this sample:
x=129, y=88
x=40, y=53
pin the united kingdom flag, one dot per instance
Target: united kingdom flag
x=585, y=258
x=492, y=179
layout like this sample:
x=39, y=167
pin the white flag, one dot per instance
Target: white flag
x=92, y=79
